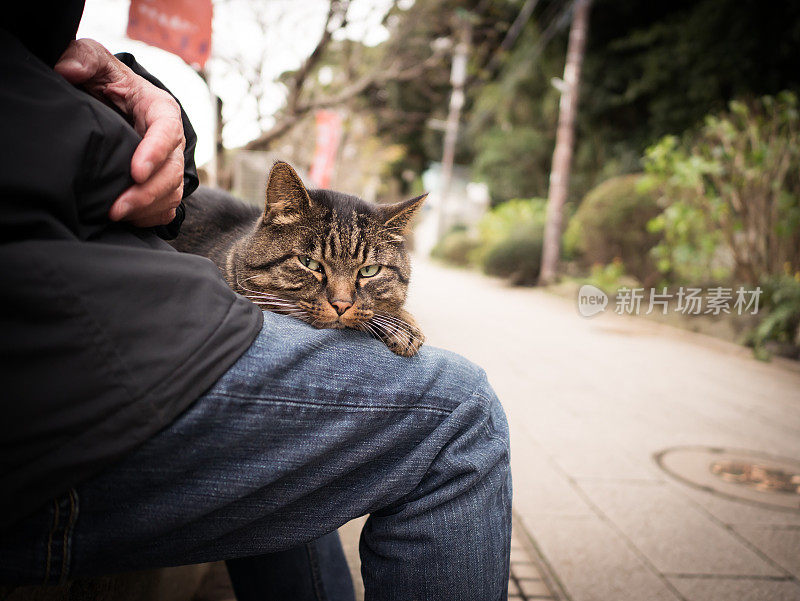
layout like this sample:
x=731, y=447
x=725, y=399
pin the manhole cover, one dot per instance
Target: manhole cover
x=748, y=476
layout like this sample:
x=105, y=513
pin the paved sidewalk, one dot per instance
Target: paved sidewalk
x=590, y=401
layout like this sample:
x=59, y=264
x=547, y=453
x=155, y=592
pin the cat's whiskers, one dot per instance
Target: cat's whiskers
x=387, y=325
x=391, y=319
x=260, y=293
x=366, y=327
x=264, y=301
x=267, y=301
x=392, y=333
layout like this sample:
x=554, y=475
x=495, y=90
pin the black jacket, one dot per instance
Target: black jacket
x=106, y=333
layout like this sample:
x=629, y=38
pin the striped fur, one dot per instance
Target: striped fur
x=263, y=255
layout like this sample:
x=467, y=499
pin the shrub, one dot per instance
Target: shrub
x=779, y=328
x=511, y=237
x=507, y=241
x=518, y=256
x=456, y=247
x=504, y=219
x=732, y=194
x=611, y=223
x=611, y=277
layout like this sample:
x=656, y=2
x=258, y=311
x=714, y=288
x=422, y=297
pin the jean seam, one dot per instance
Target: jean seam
x=493, y=435
x=316, y=577
x=337, y=405
x=53, y=529
x=67, y=550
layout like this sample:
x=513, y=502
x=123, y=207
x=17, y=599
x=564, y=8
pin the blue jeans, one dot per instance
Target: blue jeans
x=307, y=430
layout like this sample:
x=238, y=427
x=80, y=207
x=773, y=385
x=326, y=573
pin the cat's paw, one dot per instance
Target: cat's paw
x=407, y=342
x=398, y=331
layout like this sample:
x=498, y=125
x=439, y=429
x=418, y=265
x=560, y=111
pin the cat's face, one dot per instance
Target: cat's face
x=330, y=259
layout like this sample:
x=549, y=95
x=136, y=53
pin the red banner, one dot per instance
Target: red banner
x=329, y=134
x=182, y=27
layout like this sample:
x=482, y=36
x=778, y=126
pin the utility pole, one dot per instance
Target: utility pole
x=565, y=142
x=458, y=77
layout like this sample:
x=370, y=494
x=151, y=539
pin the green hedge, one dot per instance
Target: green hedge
x=517, y=257
x=611, y=223
x=456, y=247
x=507, y=242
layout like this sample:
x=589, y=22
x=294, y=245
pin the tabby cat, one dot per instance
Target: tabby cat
x=327, y=258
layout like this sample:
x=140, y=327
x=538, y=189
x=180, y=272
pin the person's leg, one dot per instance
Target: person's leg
x=309, y=429
x=39, y=551
x=313, y=571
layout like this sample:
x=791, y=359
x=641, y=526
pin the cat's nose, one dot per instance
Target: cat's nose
x=341, y=306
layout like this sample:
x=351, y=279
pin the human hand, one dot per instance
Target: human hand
x=157, y=164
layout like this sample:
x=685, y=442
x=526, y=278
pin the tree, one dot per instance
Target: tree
x=565, y=142
x=301, y=101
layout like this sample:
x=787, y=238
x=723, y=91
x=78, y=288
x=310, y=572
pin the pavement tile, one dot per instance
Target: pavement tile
x=672, y=533
x=534, y=588
x=605, y=461
x=538, y=487
x=730, y=511
x=717, y=589
x=527, y=571
x=781, y=545
x=592, y=562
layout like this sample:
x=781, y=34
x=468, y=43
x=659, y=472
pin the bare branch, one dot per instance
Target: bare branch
x=337, y=9
x=378, y=78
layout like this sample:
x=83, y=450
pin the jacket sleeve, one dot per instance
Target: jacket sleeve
x=190, y=178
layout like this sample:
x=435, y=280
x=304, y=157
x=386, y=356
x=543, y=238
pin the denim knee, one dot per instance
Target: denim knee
x=460, y=382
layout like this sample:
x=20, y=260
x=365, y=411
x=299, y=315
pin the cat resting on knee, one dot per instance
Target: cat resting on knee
x=327, y=258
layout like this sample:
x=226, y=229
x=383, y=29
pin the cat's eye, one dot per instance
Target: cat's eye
x=310, y=263
x=369, y=271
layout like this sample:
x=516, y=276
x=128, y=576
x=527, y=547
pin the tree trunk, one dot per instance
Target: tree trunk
x=565, y=142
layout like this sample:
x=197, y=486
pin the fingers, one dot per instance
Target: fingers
x=163, y=134
x=88, y=63
x=79, y=63
x=154, y=201
x=157, y=163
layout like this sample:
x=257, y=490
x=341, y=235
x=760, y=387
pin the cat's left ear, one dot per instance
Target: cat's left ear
x=398, y=216
x=286, y=198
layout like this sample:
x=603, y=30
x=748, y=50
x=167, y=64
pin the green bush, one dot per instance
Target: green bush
x=504, y=219
x=611, y=223
x=518, y=256
x=779, y=328
x=611, y=277
x=507, y=241
x=511, y=240
x=732, y=194
x=456, y=247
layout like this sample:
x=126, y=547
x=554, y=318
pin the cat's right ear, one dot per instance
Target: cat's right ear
x=287, y=198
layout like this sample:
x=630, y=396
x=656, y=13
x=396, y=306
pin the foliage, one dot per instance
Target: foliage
x=406, y=109
x=456, y=247
x=611, y=222
x=511, y=126
x=651, y=69
x=731, y=194
x=527, y=174
x=611, y=277
x=779, y=328
x=518, y=256
x=511, y=238
x=507, y=241
x=654, y=68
